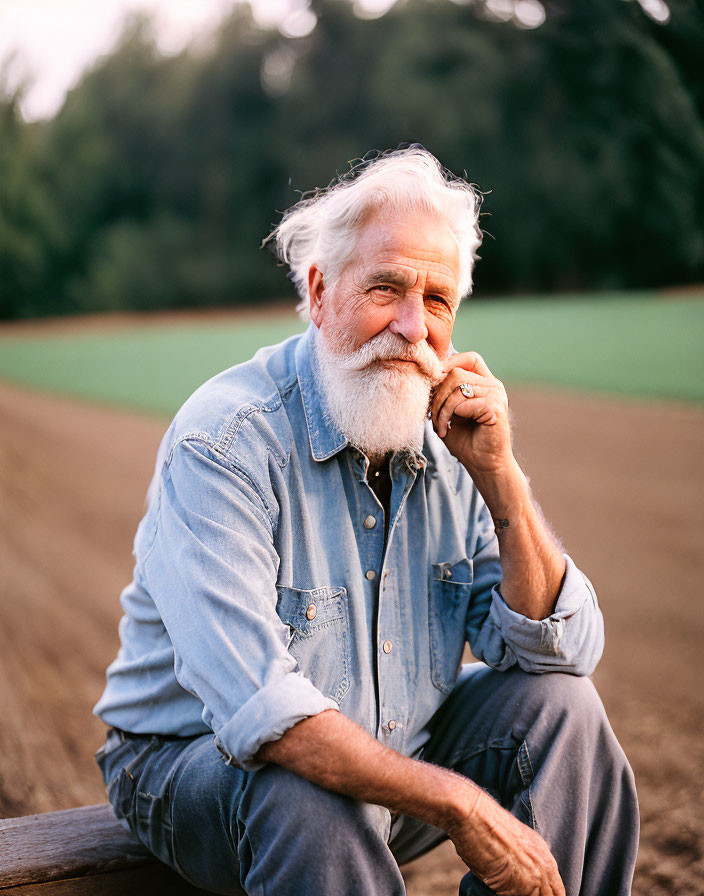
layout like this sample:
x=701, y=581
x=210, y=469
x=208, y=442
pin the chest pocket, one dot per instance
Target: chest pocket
x=319, y=623
x=449, y=593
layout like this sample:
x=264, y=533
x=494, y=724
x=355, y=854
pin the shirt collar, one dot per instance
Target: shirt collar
x=325, y=438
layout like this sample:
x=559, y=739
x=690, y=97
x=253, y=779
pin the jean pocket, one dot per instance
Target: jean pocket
x=122, y=788
x=319, y=624
x=448, y=601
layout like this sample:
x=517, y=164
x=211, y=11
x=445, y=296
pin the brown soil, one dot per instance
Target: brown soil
x=127, y=320
x=621, y=482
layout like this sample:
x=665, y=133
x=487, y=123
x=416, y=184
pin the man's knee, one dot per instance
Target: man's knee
x=571, y=701
x=564, y=693
x=563, y=714
x=582, y=784
x=516, y=700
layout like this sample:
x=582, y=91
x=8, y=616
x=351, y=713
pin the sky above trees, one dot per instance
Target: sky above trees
x=47, y=44
x=50, y=43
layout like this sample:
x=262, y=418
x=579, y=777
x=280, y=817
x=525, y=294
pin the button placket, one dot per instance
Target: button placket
x=389, y=682
x=392, y=688
x=371, y=540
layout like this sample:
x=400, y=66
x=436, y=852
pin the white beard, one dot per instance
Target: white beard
x=378, y=408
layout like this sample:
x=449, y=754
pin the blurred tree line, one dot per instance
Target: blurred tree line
x=156, y=182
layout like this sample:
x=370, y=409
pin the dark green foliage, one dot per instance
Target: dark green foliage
x=157, y=180
x=29, y=227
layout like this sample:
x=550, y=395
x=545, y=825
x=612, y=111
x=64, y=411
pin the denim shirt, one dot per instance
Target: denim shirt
x=264, y=593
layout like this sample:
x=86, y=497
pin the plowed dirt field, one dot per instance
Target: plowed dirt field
x=621, y=482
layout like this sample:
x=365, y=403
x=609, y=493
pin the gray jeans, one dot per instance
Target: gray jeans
x=540, y=744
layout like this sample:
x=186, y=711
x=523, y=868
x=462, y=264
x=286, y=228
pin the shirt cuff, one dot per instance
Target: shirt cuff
x=569, y=640
x=267, y=716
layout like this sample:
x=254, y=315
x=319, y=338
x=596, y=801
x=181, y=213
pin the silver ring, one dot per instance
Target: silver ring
x=467, y=390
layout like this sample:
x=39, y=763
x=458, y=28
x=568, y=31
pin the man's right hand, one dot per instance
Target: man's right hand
x=508, y=856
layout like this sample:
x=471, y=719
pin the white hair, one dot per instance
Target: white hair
x=322, y=229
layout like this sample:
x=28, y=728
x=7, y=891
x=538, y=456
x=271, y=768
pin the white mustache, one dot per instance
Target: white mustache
x=389, y=346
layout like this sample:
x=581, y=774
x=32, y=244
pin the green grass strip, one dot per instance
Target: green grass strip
x=634, y=344
x=639, y=345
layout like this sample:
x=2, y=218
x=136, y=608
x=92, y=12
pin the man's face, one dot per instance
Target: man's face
x=385, y=326
x=402, y=279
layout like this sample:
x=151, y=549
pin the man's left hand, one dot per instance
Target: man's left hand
x=475, y=429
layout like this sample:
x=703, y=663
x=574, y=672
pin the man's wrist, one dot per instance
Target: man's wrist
x=461, y=804
x=506, y=493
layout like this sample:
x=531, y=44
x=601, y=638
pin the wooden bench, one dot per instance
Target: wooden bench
x=80, y=851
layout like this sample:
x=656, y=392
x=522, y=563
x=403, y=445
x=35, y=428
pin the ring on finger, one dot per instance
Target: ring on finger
x=466, y=389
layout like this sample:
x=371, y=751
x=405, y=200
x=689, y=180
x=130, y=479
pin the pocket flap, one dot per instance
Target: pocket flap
x=308, y=610
x=460, y=573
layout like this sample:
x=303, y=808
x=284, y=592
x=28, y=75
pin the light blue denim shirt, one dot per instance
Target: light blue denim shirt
x=263, y=593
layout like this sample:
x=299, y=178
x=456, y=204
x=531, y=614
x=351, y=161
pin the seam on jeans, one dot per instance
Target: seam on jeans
x=135, y=764
x=172, y=826
x=152, y=796
x=525, y=768
x=172, y=840
x=501, y=743
x=527, y=801
x=257, y=885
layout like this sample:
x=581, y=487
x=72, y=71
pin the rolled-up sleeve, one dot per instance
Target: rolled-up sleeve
x=570, y=640
x=211, y=570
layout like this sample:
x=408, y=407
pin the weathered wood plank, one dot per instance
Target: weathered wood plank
x=65, y=844
x=154, y=879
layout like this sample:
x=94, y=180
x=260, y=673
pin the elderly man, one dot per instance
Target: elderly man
x=328, y=525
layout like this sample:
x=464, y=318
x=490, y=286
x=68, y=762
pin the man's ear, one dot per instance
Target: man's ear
x=316, y=288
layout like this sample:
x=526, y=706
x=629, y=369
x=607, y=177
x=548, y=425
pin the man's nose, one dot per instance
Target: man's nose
x=409, y=320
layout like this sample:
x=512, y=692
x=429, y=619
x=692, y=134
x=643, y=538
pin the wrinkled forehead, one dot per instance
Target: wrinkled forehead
x=404, y=247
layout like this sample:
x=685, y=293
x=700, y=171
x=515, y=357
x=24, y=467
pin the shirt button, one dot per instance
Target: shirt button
x=387, y=646
x=447, y=574
x=311, y=612
x=371, y=575
x=369, y=522
x=391, y=725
